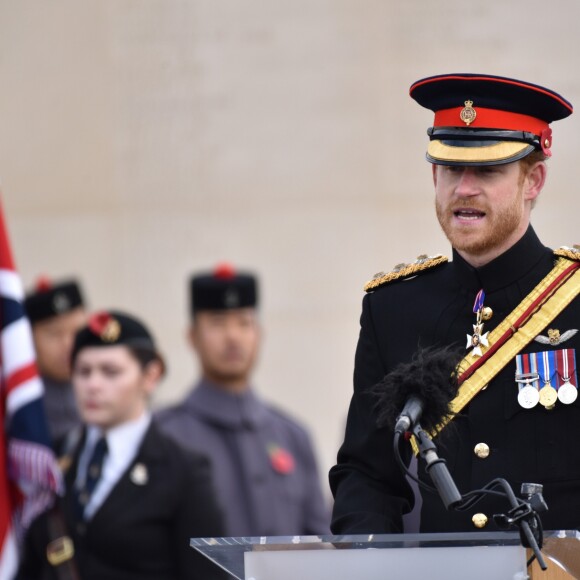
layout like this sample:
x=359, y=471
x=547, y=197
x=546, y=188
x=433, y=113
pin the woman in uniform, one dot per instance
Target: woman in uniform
x=133, y=498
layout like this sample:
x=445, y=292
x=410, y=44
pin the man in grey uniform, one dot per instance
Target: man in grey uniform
x=263, y=462
x=56, y=311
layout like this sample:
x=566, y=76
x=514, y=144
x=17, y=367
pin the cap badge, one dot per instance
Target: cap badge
x=468, y=113
x=231, y=298
x=112, y=331
x=105, y=327
x=61, y=302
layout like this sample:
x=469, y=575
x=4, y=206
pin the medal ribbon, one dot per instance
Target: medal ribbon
x=572, y=377
x=526, y=364
x=520, y=364
x=546, y=365
x=478, y=304
x=566, y=366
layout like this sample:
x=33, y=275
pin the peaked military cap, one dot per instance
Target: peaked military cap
x=222, y=289
x=49, y=299
x=487, y=120
x=112, y=328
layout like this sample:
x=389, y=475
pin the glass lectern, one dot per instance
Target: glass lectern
x=474, y=556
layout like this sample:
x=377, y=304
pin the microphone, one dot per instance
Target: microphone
x=410, y=414
x=423, y=388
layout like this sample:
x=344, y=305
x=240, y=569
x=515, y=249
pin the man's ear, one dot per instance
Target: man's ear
x=434, y=170
x=534, y=180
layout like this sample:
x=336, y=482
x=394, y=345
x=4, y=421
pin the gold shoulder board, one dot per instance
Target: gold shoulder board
x=572, y=253
x=401, y=271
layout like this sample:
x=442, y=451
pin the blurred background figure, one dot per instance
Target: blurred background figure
x=133, y=497
x=264, y=466
x=56, y=311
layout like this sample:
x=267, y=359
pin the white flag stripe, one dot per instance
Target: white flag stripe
x=26, y=392
x=17, y=346
x=8, y=556
x=11, y=285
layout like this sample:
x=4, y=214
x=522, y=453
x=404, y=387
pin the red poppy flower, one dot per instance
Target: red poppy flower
x=282, y=461
x=98, y=322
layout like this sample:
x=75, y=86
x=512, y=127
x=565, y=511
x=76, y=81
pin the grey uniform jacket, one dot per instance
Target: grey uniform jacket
x=263, y=463
x=60, y=408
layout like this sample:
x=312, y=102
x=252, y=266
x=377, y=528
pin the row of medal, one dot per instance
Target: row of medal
x=542, y=377
x=547, y=377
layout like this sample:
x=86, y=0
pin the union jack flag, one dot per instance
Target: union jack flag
x=29, y=474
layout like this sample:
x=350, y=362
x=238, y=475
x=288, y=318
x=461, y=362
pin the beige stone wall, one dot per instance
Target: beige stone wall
x=143, y=139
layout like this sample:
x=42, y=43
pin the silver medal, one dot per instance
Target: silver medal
x=567, y=393
x=528, y=397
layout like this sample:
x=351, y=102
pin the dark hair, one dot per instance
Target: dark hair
x=144, y=356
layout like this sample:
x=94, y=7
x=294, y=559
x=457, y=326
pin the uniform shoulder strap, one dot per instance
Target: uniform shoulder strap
x=572, y=253
x=402, y=271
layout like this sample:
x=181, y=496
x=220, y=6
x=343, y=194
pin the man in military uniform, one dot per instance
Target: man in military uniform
x=516, y=301
x=265, y=472
x=56, y=312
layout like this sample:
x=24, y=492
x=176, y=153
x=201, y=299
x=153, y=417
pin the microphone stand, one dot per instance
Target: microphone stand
x=520, y=515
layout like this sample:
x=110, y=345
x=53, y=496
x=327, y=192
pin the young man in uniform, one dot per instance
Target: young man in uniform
x=56, y=312
x=263, y=463
x=516, y=301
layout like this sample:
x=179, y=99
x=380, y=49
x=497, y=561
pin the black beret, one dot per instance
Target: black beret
x=52, y=299
x=487, y=120
x=223, y=289
x=112, y=328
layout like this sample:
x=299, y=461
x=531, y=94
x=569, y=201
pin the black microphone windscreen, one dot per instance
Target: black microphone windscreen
x=430, y=375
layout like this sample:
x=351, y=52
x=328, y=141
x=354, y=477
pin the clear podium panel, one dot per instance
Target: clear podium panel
x=474, y=555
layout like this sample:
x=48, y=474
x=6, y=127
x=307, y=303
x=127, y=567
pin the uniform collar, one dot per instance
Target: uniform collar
x=506, y=269
x=233, y=411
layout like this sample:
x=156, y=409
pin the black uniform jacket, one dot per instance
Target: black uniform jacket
x=142, y=530
x=526, y=445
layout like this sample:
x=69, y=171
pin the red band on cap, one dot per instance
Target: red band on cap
x=491, y=119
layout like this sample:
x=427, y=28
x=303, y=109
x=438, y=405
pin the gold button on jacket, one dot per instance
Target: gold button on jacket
x=479, y=520
x=481, y=450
